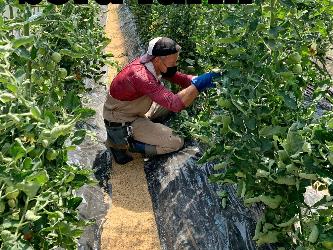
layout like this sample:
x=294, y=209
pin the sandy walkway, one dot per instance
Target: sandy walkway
x=130, y=222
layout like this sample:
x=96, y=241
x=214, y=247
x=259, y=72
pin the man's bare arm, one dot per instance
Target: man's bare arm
x=188, y=95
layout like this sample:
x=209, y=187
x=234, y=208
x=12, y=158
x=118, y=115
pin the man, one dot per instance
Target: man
x=137, y=97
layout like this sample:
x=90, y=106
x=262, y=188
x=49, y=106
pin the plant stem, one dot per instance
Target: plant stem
x=3, y=185
x=29, y=68
x=26, y=27
x=23, y=215
x=272, y=8
x=11, y=12
x=300, y=219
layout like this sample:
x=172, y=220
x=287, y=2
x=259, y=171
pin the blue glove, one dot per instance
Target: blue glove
x=204, y=81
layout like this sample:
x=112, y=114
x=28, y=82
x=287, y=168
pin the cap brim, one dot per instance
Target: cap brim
x=146, y=58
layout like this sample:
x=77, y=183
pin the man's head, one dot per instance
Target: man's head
x=163, y=52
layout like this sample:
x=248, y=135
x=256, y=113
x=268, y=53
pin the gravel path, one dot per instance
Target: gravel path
x=130, y=221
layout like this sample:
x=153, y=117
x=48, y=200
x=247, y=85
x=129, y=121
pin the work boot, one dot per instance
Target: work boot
x=120, y=156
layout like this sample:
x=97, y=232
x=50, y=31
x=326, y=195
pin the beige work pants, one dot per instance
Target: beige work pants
x=163, y=137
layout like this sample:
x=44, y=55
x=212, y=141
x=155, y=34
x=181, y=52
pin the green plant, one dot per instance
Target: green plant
x=268, y=141
x=41, y=85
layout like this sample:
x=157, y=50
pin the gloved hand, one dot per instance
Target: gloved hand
x=204, y=81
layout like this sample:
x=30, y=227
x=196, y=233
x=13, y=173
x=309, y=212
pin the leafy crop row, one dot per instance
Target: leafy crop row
x=44, y=58
x=268, y=138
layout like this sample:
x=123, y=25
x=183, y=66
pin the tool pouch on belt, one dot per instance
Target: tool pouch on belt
x=119, y=137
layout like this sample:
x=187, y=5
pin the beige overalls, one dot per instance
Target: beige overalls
x=139, y=112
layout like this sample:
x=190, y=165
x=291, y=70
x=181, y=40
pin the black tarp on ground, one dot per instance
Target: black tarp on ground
x=187, y=208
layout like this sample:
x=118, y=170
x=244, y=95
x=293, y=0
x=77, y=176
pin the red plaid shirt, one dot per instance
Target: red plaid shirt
x=135, y=80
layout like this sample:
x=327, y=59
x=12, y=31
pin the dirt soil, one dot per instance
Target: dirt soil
x=130, y=221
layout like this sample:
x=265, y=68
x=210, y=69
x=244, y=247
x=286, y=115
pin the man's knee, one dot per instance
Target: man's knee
x=181, y=143
x=172, y=146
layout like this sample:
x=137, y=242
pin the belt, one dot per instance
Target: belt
x=116, y=124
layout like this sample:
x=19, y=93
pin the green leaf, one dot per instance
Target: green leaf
x=7, y=235
x=17, y=245
x=228, y=39
x=23, y=55
x=290, y=101
x=11, y=87
x=84, y=112
x=29, y=188
x=7, y=223
x=330, y=158
x=287, y=76
x=224, y=103
x=330, y=123
x=24, y=40
x=294, y=143
x=57, y=215
x=35, y=112
x=7, y=97
x=269, y=131
x=268, y=238
x=63, y=228
x=75, y=202
x=33, y=53
x=251, y=123
x=271, y=201
x=39, y=178
x=27, y=163
x=17, y=150
x=78, y=137
x=72, y=101
x=236, y=51
x=239, y=105
x=221, y=165
x=307, y=147
x=70, y=53
x=30, y=215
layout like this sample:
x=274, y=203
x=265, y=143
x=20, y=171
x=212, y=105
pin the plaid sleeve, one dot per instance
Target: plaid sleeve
x=146, y=84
